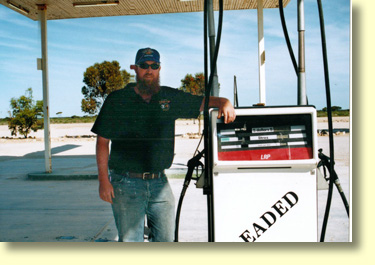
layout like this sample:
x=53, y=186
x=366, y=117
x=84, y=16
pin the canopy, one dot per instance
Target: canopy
x=65, y=9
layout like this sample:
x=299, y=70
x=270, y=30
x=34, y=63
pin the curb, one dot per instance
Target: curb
x=61, y=176
x=81, y=176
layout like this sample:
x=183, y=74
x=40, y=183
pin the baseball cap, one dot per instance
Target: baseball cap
x=147, y=54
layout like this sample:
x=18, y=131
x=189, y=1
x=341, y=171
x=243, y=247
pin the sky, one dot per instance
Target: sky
x=76, y=44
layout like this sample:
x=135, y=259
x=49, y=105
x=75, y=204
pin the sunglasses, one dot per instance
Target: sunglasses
x=154, y=66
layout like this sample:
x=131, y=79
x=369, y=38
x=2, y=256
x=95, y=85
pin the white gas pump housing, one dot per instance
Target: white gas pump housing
x=264, y=175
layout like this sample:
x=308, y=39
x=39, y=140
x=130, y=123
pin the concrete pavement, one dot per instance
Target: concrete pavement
x=64, y=210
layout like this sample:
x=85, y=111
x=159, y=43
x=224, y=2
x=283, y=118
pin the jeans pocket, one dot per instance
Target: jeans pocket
x=116, y=178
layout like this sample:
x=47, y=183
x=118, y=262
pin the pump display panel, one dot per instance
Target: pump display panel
x=277, y=137
x=282, y=136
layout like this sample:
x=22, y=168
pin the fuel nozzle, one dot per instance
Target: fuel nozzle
x=192, y=164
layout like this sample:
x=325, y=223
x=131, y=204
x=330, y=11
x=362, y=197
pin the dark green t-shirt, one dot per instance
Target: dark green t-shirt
x=141, y=133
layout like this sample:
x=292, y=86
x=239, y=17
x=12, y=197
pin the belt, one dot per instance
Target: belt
x=144, y=175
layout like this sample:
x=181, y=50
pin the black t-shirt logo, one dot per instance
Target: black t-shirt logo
x=164, y=104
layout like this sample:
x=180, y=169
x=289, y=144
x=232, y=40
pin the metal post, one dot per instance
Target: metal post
x=302, y=97
x=47, y=138
x=211, y=31
x=261, y=55
x=235, y=99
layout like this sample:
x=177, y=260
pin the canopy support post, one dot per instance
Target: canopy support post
x=47, y=136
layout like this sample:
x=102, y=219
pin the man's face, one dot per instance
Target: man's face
x=148, y=79
x=148, y=75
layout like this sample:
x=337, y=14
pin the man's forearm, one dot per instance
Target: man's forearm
x=102, y=155
x=225, y=108
x=214, y=102
x=106, y=191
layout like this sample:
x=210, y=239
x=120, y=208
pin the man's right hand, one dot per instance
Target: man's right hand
x=106, y=192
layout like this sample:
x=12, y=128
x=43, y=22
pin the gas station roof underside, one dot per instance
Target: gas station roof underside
x=65, y=9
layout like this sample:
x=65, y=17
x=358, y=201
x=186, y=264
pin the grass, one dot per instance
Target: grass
x=337, y=113
x=176, y=176
x=73, y=119
x=62, y=120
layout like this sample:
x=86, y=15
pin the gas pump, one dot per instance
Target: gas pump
x=264, y=175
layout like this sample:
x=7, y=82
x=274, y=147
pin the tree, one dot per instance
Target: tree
x=193, y=85
x=101, y=79
x=25, y=115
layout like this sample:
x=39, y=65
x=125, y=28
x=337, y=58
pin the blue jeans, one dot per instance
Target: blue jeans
x=136, y=198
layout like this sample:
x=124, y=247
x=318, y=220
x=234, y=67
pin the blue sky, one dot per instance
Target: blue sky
x=76, y=44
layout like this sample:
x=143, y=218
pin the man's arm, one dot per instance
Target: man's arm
x=225, y=108
x=106, y=192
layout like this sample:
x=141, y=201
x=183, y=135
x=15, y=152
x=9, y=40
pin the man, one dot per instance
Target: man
x=139, y=122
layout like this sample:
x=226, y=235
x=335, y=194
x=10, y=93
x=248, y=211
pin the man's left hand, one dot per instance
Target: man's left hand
x=226, y=109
